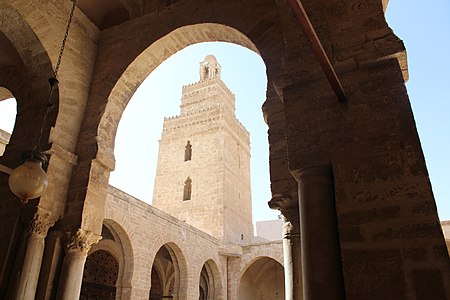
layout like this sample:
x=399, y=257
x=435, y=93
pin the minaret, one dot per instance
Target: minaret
x=203, y=172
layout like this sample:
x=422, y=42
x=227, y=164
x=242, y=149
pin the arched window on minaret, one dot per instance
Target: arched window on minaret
x=187, y=189
x=188, y=151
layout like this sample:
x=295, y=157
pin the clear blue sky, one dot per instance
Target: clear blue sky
x=423, y=26
x=425, y=29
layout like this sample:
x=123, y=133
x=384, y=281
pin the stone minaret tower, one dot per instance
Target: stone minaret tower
x=203, y=172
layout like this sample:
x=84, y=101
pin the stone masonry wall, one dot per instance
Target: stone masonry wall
x=148, y=228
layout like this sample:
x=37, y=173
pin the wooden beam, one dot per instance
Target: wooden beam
x=5, y=169
x=317, y=48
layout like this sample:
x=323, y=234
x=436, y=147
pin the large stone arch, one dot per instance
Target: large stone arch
x=27, y=78
x=384, y=199
x=25, y=67
x=21, y=48
x=114, y=83
x=149, y=60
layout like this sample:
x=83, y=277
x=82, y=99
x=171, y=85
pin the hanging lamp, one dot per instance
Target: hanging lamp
x=29, y=180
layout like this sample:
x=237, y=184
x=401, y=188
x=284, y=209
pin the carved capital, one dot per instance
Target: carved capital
x=286, y=204
x=81, y=241
x=280, y=202
x=38, y=221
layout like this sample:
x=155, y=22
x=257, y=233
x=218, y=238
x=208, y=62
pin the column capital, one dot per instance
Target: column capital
x=81, y=241
x=282, y=202
x=38, y=221
x=313, y=173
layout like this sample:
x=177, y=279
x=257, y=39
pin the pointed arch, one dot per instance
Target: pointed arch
x=169, y=273
x=210, y=283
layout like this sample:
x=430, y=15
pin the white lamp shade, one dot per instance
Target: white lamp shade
x=28, y=181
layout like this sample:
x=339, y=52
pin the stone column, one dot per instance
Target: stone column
x=291, y=244
x=292, y=257
x=36, y=232
x=321, y=259
x=77, y=248
x=288, y=263
x=53, y=254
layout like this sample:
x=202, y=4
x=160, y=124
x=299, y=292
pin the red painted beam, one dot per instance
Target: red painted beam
x=317, y=48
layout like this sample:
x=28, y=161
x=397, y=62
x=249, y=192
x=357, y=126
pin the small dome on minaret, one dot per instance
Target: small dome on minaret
x=209, y=68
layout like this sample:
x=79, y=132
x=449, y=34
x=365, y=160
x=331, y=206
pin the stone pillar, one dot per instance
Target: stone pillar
x=77, y=248
x=53, y=253
x=292, y=257
x=29, y=275
x=291, y=244
x=321, y=259
x=288, y=263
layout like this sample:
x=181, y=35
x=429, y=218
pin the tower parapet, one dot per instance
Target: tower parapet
x=209, y=90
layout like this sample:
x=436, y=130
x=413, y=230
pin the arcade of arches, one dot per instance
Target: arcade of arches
x=349, y=177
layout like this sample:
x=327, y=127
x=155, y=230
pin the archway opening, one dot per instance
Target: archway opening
x=209, y=282
x=100, y=276
x=116, y=242
x=165, y=275
x=243, y=71
x=262, y=280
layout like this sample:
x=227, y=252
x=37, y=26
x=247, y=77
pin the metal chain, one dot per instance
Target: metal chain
x=58, y=62
x=53, y=81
